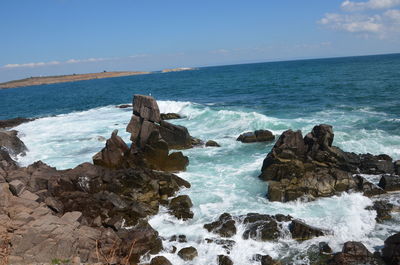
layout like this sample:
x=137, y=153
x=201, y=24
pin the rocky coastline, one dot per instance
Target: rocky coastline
x=97, y=213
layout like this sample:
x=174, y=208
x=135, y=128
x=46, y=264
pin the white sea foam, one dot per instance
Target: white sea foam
x=225, y=179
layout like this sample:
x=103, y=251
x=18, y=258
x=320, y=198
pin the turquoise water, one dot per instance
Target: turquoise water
x=358, y=96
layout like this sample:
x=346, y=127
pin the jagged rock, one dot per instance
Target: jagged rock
x=263, y=227
x=311, y=167
x=17, y=187
x=391, y=250
x=369, y=189
x=256, y=136
x=13, y=122
x=397, y=167
x=389, y=182
x=176, y=136
x=324, y=248
x=10, y=141
x=381, y=164
x=146, y=107
x=160, y=260
x=170, y=116
x=180, y=207
x=224, y=260
x=113, y=155
x=124, y=106
x=354, y=253
x=188, y=253
x=212, y=143
x=227, y=244
x=267, y=260
x=6, y=162
x=383, y=210
x=179, y=238
x=303, y=231
x=133, y=127
x=224, y=226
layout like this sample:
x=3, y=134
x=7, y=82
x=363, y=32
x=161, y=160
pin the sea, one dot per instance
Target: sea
x=358, y=96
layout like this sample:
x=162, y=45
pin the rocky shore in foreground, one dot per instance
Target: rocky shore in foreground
x=97, y=213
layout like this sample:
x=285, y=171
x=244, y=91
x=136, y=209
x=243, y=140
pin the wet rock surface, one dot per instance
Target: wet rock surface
x=224, y=260
x=390, y=182
x=180, y=207
x=256, y=136
x=188, y=253
x=263, y=227
x=10, y=142
x=311, y=167
x=170, y=116
x=354, y=253
x=391, y=250
x=211, y=143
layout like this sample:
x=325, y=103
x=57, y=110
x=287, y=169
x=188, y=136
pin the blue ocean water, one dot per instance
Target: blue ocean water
x=357, y=95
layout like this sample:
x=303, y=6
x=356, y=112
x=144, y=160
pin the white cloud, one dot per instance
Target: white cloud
x=39, y=64
x=371, y=4
x=353, y=23
x=31, y=64
x=364, y=22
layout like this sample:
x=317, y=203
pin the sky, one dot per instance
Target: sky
x=52, y=37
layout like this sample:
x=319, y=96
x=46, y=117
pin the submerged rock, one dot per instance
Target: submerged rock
x=224, y=260
x=211, y=143
x=256, y=136
x=170, y=116
x=311, y=167
x=188, y=253
x=303, y=231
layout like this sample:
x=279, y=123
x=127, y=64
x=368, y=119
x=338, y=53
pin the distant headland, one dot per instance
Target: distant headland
x=42, y=80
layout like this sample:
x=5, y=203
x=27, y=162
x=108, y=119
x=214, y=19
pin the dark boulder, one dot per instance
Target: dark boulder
x=354, y=253
x=224, y=226
x=256, y=136
x=170, y=116
x=389, y=182
x=397, y=167
x=180, y=207
x=188, y=253
x=113, y=155
x=268, y=260
x=263, y=227
x=211, y=143
x=380, y=164
x=160, y=260
x=227, y=244
x=383, y=209
x=303, y=231
x=324, y=248
x=9, y=140
x=391, y=250
x=224, y=260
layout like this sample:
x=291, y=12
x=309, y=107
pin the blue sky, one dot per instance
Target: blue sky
x=47, y=37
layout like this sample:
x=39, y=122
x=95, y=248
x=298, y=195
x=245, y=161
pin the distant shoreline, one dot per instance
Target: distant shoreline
x=44, y=80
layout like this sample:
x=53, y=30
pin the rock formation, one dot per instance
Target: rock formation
x=312, y=167
x=263, y=227
x=256, y=136
x=10, y=141
x=93, y=213
x=391, y=250
x=152, y=139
